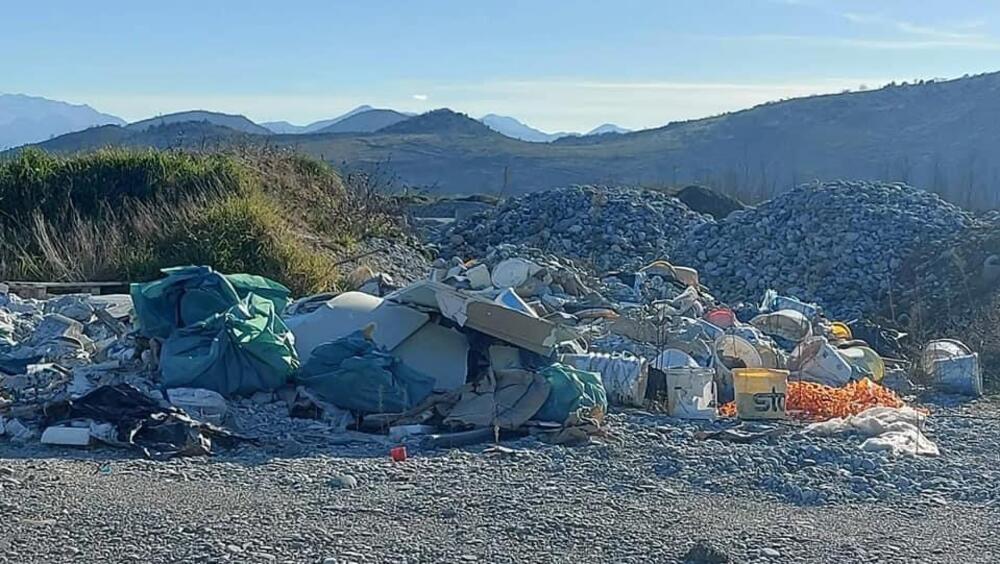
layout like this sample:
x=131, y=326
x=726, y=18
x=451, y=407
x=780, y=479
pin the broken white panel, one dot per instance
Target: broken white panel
x=350, y=312
x=438, y=352
x=67, y=436
x=199, y=403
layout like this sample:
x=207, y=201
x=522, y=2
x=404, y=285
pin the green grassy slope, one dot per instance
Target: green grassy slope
x=124, y=214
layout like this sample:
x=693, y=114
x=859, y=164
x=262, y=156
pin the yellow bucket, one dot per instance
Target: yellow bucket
x=760, y=392
x=841, y=331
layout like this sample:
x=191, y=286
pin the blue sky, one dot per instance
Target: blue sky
x=566, y=64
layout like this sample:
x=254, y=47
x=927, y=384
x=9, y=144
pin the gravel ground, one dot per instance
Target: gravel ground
x=646, y=493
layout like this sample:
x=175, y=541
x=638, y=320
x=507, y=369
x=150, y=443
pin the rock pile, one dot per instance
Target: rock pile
x=608, y=227
x=839, y=244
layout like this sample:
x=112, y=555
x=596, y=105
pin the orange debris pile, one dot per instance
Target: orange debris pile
x=816, y=401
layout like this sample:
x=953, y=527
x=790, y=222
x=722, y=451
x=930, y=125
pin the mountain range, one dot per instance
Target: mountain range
x=939, y=135
x=30, y=119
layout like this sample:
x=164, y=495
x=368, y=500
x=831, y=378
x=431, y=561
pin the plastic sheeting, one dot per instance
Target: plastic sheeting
x=140, y=422
x=893, y=429
x=244, y=350
x=351, y=373
x=576, y=396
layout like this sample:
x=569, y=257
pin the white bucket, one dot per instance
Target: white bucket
x=959, y=375
x=815, y=360
x=941, y=348
x=691, y=393
x=674, y=358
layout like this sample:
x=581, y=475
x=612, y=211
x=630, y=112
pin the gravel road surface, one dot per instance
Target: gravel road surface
x=295, y=499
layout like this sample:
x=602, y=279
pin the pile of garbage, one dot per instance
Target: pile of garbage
x=839, y=244
x=520, y=342
x=607, y=227
x=690, y=351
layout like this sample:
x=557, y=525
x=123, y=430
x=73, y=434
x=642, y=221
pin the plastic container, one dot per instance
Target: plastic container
x=787, y=324
x=959, y=375
x=398, y=454
x=815, y=360
x=691, y=393
x=722, y=317
x=674, y=358
x=866, y=360
x=941, y=348
x=840, y=331
x=760, y=393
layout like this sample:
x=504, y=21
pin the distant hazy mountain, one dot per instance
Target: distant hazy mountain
x=285, y=127
x=365, y=122
x=30, y=119
x=235, y=122
x=515, y=129
x=607, y=128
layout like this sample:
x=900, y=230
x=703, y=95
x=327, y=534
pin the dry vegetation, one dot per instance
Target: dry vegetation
x=123, y=215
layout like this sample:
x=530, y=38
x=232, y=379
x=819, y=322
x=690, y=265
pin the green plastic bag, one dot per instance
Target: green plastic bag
x=244, y=350
x=189, y=294
x=575, y=394
x=353, y=374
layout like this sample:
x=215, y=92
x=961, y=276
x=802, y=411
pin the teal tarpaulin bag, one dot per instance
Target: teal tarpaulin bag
x=189, y=294
x=353, y=374
x=575, y=394
x=246, y=284
x=243, y=350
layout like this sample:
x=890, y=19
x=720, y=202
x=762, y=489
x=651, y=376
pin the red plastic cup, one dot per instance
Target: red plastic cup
x=398, y=454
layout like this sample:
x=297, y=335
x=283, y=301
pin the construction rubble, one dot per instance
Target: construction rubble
x=518, y=343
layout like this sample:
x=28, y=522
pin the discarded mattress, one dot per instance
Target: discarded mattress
x=350, y=312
